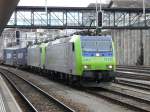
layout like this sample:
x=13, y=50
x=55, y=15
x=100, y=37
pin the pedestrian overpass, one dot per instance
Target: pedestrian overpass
x=78, y=18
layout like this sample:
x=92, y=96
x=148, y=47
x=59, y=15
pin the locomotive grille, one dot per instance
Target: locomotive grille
x=107, y=59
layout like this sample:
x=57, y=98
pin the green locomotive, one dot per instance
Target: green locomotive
x=76, y=59
x=82, y=58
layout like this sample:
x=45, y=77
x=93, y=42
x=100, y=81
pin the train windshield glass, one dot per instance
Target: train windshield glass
x=104, y=46
x=89, y=46
x=97, y=45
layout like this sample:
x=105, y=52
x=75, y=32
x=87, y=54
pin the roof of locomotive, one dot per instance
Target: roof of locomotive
x=71, y=39
x=43, y=44
x=10, y=48
x=38, y=45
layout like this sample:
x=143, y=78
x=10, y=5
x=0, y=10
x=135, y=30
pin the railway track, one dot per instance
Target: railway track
x=122, y=96
x=135, y=67
x=138, y=69
x=133, y=75
x=133, y=83
x=134, y=70
x=37, y=99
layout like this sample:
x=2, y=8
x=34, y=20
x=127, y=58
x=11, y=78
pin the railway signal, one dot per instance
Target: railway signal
x=100, y=19
x=18, y=37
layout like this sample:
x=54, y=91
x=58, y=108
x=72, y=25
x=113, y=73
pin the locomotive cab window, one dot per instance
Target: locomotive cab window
x=96, y=47
x=104, y=46
x=88, y=46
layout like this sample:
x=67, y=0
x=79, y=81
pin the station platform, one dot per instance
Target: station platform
x=7, y=100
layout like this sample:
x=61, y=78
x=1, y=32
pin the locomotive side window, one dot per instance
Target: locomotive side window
x=73, y=47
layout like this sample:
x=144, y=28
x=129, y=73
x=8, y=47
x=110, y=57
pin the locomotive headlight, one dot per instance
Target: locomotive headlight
x=110, y=66
x=97, y=54
x=85, y=66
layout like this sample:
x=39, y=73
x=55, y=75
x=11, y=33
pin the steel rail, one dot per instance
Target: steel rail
x=134, y=70
x=59, y=103
x=32, y=108
x=122, y=99
x=133, y=84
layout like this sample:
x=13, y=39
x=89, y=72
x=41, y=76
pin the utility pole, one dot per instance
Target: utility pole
x=46, y=7
x=143, y=7
x=100, y=5
x=96, y=16
x=46, y=13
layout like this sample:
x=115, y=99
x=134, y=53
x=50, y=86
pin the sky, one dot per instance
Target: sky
x=65, y=3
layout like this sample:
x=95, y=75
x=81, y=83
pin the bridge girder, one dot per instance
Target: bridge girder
x=78, y=18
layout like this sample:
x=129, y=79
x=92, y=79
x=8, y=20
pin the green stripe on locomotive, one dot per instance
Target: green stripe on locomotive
x=92, y=63
x=78, y=55
x=43, y=53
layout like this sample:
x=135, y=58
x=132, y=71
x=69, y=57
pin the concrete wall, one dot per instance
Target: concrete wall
x=1, y=48
x=128, y=45
x=146, y=41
